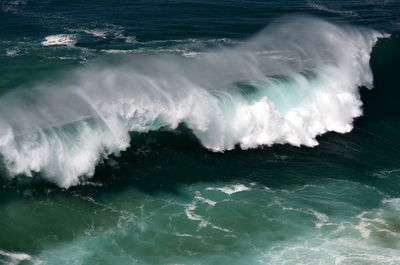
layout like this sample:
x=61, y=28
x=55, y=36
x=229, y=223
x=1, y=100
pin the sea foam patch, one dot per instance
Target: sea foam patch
x=231, y=189
x=12, y=258
x=60, y=39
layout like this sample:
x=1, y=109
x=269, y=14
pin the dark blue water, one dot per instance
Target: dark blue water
x=199, y=132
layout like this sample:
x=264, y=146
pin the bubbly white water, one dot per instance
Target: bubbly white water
x=316, y=5
x=231, y=189
x=60, y=39
x=295, y=80
x=108, y=30
x=12, y=258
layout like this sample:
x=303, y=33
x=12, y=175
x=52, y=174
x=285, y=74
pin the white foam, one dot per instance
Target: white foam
x=189, y=211
x=107, y=30
x=128, y=39
x=231, y=189
x=14, y=257
x=60, y=39
x=191, y=40
x=12, y=6
x=96, y=32
x=321, y=218
x=64, y=129
x=184, y=52
x=204, y=200
x=187, y=235
x=115, y=51
x=393, y=202
x=383, y=173
x=331, y=251
x=203, y=222
x=317, y=6
x=372, y=239
x=190, y=54
x=362, y=227
x=12, y=52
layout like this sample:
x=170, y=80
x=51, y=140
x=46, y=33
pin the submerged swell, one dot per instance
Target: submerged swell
x=295, y=80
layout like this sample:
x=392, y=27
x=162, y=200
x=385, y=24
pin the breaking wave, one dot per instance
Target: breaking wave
x=295, y=80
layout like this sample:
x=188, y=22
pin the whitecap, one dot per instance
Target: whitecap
x=203, y=222
x=320, y=7
x=11, y=52
x=108, y=30
x=231, y=189
x=204, y=200
x=60, y=39
x=12, y=6
x=14, y=258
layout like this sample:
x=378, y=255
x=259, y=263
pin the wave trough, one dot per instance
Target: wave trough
x=295, y=80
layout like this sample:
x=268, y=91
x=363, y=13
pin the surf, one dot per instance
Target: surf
x=296, y=79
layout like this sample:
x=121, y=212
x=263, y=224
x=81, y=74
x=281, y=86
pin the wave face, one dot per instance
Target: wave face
x=295, y=80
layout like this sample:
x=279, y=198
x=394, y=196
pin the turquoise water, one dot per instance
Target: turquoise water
x=193, y=132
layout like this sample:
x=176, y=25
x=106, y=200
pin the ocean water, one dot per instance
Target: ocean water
x=199, y=132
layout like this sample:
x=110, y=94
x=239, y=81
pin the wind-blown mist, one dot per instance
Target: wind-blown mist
x=297, y=79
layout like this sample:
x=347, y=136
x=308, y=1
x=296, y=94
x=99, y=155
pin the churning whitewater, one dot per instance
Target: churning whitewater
x=295, y=80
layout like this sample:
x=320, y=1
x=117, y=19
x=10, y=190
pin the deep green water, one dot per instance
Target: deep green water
x=73, y=192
